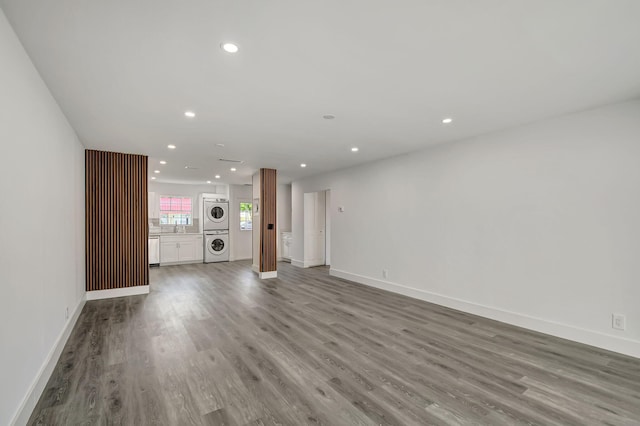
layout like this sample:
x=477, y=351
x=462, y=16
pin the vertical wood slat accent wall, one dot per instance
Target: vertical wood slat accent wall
x=268, y=186
x=117, y=229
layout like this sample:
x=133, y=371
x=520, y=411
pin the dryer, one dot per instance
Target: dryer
x=215, y=214
x=216, y=246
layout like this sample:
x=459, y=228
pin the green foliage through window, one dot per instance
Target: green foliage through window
x=245, y=216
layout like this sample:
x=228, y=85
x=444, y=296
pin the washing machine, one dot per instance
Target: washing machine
x=216, y=246
x=216, y=214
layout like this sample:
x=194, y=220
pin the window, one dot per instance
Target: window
x=176, y=210
x=245, y=216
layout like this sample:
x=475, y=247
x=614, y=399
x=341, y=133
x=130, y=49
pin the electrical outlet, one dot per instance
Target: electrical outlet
x=66, y=313
x=385, y=273
x=619, y=321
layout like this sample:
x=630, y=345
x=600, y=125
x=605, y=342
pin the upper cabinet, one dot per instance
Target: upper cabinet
x=154, y=212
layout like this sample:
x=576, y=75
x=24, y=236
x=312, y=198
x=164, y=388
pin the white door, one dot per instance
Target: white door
x=314, y=228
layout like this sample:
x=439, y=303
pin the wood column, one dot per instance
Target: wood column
x=264, y=223
x=116, y=220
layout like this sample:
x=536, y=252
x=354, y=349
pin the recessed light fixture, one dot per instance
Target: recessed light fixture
x=354, y=149
x=163, y=162
x=221, y=145
x=303, y=165
x=208, y=181
x=156, y=171
x=328, y=116
x=233, y=169
x=171, y=146
x=447, y=120
x=229, y=47
x=217, y=176
x=153, y=178
x=190, y=114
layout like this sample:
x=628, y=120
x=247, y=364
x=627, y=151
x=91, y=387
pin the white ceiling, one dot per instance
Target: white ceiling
x=125, y=71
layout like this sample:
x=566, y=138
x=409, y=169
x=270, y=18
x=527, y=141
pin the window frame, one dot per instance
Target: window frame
x=191, y=214
x=246, y=212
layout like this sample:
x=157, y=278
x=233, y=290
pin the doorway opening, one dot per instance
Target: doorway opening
x=317, y=228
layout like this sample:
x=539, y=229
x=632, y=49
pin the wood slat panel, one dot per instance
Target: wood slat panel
x=268, y=186
x=116, y=220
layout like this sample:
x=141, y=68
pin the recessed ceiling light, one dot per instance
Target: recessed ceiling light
x=447, y=120
x=208, y=181
x=229, y=47
x=303, y=165
x=163, y=162
x=156, y=171
x=221, y=145
x=233, y=169
x=328, y=116
x=217, y=176
x=354, y=149
x=171, y=146
x=153, y=178
x=190, y=114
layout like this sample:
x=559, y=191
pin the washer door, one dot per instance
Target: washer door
x=216, y=213
x=217, y=246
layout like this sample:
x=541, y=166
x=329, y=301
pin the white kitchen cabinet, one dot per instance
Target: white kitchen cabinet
x=169, y=251
x=180, y=249
x=154, y=210
x=286, y=245
x=154, y=250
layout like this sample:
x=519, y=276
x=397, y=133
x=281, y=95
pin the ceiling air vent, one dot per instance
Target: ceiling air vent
x=227, y=160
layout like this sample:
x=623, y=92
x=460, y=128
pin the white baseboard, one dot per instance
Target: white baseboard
x=235, y=259
x=188, y=262
x=304, y=263
x=21, y=417
x=118, y=292
x=267, y=275
x=255, y=268
x=565, y=331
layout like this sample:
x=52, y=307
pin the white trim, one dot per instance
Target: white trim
x=235, y=259
x=117, y=292
x=255, y=268
x=297, y=263
x=21, y=417
x=188, y=262
x=565, y=331
x=268, y=274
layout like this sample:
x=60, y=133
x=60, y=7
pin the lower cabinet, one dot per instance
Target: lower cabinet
x=180, y=249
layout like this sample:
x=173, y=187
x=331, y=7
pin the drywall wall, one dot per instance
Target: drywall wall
x=42, y=250
x=537, y=226
x=240, y=239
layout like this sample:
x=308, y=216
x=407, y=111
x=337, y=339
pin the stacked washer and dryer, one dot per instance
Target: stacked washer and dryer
x=216, y=229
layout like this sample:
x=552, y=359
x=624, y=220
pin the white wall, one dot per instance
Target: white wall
x=255, y=241
x=42, y=223
x=537, y=226
x=240, y=240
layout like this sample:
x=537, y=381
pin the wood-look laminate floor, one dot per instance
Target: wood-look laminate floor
x=212, y=344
